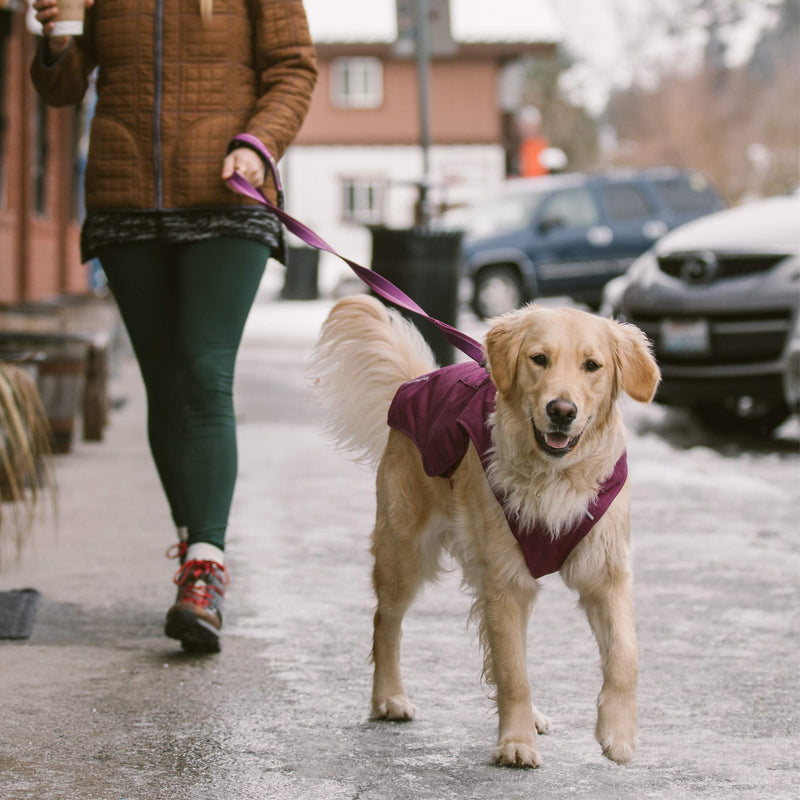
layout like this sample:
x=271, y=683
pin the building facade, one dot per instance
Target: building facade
x=358, y=159
x=40, y=178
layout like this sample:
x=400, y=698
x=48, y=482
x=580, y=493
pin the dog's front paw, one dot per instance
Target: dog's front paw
x=397, y=708
x=617, y=727
x=516, y=754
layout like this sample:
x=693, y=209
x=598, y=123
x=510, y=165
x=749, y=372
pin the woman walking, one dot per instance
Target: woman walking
x=184, y=256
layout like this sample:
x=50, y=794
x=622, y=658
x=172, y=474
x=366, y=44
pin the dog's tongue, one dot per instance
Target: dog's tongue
x=558, y=441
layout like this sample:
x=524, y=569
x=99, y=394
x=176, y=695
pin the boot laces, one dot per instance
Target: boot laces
x=178, y=550
x=192, y=572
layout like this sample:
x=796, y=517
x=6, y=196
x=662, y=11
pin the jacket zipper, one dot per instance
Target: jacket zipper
x=157, y=88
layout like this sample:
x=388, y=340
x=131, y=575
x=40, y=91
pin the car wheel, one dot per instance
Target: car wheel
x=760, y=418
x=498, y=289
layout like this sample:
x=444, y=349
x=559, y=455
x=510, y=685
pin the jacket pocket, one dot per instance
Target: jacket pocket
x=197, y=163
x=115, y=174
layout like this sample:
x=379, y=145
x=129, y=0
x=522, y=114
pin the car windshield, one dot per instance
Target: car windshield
x=502, y=214
x=687, y=194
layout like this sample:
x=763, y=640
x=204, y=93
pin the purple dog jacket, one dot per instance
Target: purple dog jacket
x=443, y=411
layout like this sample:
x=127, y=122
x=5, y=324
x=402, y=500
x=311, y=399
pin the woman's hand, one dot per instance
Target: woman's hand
x=247, y=163
x=46, y=11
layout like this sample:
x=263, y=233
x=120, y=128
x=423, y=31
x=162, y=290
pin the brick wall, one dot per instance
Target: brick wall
x=39, y=255
x=463, y=99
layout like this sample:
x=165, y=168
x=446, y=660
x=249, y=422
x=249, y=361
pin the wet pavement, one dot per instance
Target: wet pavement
x=98, y=705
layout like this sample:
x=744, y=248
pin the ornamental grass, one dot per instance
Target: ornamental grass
x=26, y=477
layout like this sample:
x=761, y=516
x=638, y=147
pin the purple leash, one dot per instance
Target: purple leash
x=382, y=287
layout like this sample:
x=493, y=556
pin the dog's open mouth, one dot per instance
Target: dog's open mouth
x=555, y=443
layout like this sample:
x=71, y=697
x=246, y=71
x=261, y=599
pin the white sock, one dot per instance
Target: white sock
x=183, y=533
x=202, y=551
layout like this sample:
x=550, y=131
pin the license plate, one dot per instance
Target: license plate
x=685, y=337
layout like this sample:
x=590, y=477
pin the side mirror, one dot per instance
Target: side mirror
x=550, y=224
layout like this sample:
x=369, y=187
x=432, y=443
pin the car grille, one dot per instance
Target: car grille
x=744, y=338
x=708, y=267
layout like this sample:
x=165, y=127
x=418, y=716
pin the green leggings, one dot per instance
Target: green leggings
x=185, y=308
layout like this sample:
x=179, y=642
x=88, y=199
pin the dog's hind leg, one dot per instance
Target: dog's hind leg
x=397, y=576
x=406, y=546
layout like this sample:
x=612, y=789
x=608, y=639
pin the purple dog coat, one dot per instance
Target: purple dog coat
x=443, y=411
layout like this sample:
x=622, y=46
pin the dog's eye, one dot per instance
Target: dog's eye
x=540, y=359
x=591, y=365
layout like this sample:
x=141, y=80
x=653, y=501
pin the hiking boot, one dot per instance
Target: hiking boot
x=196, y=616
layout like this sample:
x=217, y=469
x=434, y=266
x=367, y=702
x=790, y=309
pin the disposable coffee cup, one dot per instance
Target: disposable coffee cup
x=69, y=20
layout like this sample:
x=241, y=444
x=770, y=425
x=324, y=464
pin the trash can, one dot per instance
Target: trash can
x=424, y=264
x=302, y=271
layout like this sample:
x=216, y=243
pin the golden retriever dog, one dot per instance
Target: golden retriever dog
x=556, y=436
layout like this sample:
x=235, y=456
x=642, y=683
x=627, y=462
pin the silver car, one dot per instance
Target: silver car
x=720, y=299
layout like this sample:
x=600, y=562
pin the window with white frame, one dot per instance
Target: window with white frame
x=362, y=200
x=356, y=82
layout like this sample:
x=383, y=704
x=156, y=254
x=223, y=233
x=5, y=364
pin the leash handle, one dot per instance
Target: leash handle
x=380, y=285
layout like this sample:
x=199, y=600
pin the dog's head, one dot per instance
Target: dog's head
x=563, y=370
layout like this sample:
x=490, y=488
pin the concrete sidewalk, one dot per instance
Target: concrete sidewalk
x=98, y=705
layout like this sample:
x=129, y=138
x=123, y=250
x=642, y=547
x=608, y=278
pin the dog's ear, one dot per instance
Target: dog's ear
x=503, y=342
x=637, y=370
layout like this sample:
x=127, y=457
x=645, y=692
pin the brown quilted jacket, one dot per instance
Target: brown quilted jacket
x=172, y=92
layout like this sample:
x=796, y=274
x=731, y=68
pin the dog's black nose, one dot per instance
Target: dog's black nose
x=561, y=412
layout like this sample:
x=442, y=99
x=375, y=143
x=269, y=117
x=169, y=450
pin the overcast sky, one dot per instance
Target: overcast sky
x=613, y=41
x=617, y=42
x=509, y=20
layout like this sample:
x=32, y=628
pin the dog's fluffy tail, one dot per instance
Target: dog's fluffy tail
x=365, y=351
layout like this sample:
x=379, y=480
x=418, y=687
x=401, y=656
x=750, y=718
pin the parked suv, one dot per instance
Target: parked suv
x=720, y=299
x=570, y=234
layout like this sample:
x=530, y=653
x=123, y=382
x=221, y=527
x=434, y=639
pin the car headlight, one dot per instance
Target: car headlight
x=791, y=376
x=640, y=273
x=644, y=269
